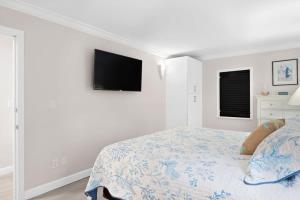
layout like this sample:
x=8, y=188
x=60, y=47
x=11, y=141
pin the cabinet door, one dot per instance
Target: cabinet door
x=176, y=93
x=194, y=76
x=195, y=110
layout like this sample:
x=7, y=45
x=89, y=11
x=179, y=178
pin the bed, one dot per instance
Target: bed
x=182, y=163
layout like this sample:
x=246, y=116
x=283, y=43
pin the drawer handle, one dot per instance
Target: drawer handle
x=271, y=104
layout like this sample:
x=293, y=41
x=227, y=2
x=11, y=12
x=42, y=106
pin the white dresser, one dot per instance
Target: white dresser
x=275, y=107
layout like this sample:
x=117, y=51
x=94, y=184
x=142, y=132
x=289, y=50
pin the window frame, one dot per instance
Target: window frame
x=251, y=92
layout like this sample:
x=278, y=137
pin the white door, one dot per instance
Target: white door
x=194, y=93
x=7, y=115
x=176, y=92
x=18, y=109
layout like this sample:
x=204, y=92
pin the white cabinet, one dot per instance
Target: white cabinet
x=275, y=107
x=183, y=92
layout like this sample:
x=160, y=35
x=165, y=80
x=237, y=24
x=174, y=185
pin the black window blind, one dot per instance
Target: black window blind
x=235, y=94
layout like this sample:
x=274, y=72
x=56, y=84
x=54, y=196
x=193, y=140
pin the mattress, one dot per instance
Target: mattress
x=182, y=163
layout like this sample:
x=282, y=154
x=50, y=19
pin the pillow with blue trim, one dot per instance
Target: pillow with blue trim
x=276, y=158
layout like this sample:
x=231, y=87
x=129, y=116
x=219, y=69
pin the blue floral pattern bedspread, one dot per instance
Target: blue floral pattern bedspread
x=183, y=163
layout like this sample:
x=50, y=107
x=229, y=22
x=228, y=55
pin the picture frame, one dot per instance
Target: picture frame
x=285, y=72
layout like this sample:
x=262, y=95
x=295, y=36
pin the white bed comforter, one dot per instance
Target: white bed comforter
x=183, y=163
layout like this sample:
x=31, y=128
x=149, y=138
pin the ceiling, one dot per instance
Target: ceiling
x=200, y=28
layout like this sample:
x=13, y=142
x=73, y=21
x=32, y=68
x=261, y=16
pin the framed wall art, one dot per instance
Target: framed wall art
x=285, y=72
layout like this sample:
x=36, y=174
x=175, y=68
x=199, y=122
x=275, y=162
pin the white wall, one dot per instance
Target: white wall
x=6, y=98
x=262, y=77
x=65, y=118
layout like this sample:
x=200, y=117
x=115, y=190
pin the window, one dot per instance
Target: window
x=235, y=91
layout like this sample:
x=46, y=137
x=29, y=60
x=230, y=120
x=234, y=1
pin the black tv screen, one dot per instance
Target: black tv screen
x=117, y=72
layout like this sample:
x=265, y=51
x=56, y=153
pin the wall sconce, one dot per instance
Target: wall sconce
x=162, y=69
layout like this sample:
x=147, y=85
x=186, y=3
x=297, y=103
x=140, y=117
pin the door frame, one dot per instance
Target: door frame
x=19, y=110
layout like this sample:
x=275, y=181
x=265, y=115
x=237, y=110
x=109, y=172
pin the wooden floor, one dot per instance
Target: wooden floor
x=6, y=187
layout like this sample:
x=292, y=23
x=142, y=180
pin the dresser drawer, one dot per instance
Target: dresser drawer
x=288, y=107
x=271, y=114
x=292, y=115
x=271, y=104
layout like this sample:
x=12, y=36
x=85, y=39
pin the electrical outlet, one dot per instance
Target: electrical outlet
x=52, y=104
x=55, y=163
x=63, y=161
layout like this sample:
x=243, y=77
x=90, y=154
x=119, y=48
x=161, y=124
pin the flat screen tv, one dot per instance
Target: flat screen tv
x=117, y=72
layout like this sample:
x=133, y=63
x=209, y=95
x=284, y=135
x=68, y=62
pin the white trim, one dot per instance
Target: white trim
x=19, y=106
x=42, y=189
x=77, y=25
x=248, y=51
x=251, y=92
x=6, y=170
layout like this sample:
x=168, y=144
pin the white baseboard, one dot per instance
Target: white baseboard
x=42, y=189
x=6, y=170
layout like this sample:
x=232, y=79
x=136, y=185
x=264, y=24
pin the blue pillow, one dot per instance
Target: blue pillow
x=276, y=158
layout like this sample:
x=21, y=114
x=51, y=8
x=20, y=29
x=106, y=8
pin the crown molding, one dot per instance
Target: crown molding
x=250, y=51
x=76, y=25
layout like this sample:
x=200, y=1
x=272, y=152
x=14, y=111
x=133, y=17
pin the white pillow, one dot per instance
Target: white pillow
x=277, y=158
